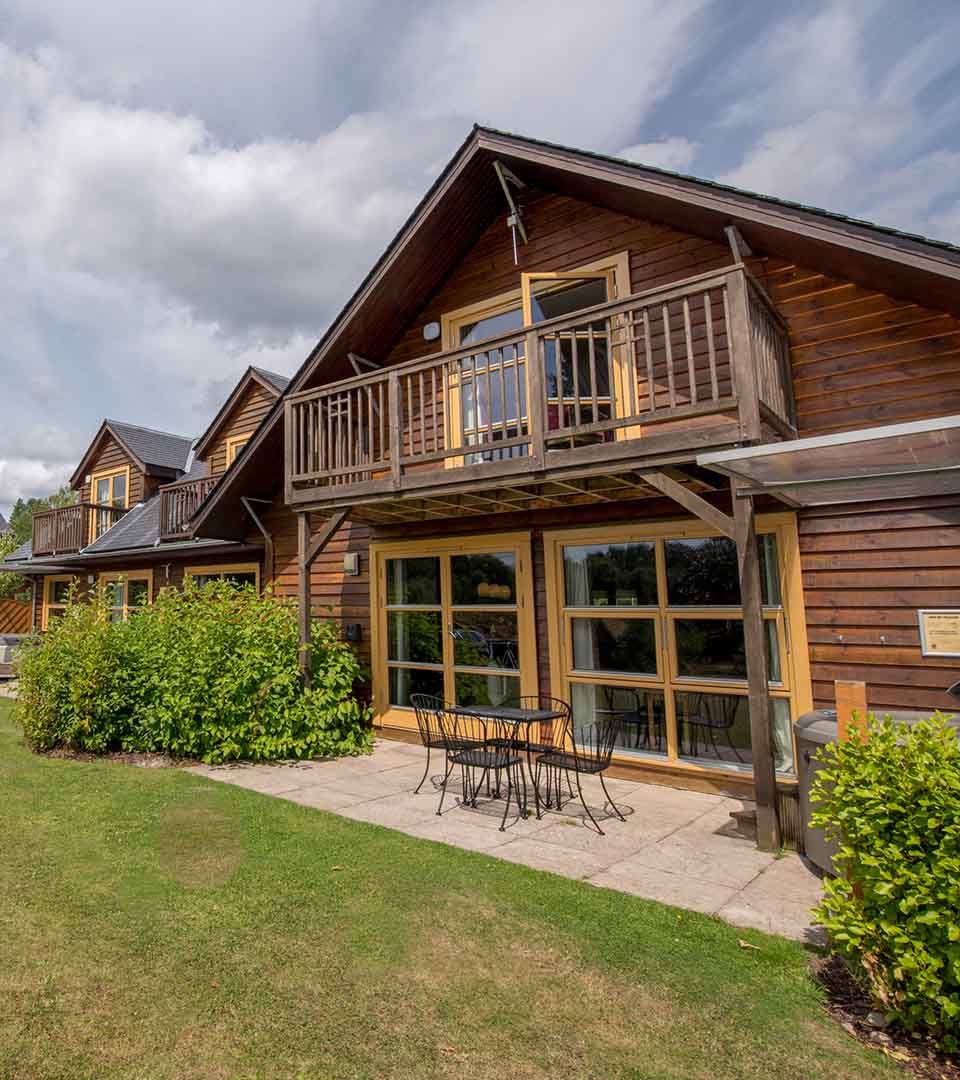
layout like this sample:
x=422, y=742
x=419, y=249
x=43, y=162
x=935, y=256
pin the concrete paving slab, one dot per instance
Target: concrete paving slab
x=459, y=833
x=558, y=860
x=718, y=860
x=680, y=890
x=394, y=811
x=324, y=797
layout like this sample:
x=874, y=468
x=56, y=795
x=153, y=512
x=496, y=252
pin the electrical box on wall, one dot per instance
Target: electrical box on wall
x=352, y=632
x=351, y=563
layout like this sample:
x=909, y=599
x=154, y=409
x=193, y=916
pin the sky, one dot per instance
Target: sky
x=190, y=187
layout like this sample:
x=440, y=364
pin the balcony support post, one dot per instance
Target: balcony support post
x=264, y=532
x=536, y=398
x=741, y=356
x=307, y=551
x=761, y=734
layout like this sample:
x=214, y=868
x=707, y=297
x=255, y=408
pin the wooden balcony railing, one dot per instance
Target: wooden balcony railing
x=591, y=387
x=70, y=528
x=179, y=502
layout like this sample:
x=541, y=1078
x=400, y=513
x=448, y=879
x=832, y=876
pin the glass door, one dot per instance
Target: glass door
x=651, y=633
x=456, y=624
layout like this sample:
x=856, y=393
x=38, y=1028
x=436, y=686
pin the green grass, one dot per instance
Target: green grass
x=153, y=924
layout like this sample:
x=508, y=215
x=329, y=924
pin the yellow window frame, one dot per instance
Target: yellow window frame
x=615, y=268
x=794, y=685
x=236, y=443
x=387, y=715
x=48, y=605
x=111, y=475
x=125, y=577
x=219, y=569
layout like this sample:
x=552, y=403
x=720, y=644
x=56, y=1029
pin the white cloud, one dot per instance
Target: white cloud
x=675, y=152
x=27, y=478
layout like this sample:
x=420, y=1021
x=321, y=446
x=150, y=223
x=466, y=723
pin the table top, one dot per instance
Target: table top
x=506, y=713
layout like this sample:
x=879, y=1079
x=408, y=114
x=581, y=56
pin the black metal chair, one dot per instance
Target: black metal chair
x=712, y=713
x=428, y=710
x=485, y=748
x=586, y=749
x=647, y=719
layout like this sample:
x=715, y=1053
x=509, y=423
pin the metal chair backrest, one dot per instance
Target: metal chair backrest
x=429, y=711
x=551, y=732
x=592, y=742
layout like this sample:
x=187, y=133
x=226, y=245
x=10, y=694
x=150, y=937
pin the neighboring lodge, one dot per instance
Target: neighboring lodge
x=658, y=446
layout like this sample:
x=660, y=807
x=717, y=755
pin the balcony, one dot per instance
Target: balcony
x=179, y=502
x=70, y=528
x=645, y=381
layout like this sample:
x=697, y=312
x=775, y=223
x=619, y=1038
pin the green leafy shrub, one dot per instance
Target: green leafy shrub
x=210, y=672
x=893, y=805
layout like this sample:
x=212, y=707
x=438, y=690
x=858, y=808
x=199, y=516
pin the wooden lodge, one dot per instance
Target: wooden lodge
x=657, y=446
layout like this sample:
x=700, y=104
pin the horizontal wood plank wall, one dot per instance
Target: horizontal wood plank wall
x=253, y=406
x=564, y=233
x=861, y=359
x=334, y=594
x=867, y=568
x=112, y=456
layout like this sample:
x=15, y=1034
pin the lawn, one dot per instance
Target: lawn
x=155, y=925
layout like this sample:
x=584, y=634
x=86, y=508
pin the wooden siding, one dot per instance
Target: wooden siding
x=244, y=419
x=14, y=616
x=866, y=570
x=564, y=233
x=112, y=456
x=334, y=594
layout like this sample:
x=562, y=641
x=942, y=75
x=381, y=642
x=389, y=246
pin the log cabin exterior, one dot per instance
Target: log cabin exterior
x=519, y=460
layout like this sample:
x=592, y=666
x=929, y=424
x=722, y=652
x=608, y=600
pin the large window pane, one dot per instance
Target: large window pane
x=415, y=636
x=702, y=572
x=487, y=689
x=413, y=581
x=138, y=592
x=714, y=728
x=120, y=490
x=60, y=591
x=705, y=572
x=609, y=575
x=486, y=639
x=484, y=579
x=491, y=326
x=628, y=645
x=639, y=715
x=710, y=648
x=407, y=681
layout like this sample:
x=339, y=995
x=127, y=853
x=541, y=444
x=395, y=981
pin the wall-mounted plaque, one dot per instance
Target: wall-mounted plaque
x=939, y=631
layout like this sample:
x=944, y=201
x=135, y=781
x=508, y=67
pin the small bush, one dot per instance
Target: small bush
x=211, y=672
x=893, y=805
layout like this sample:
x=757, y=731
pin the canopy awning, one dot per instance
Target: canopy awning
x=891, y=462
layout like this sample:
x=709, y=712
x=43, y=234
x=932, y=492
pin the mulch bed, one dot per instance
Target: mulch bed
x=142, y=761
x=850, y=1006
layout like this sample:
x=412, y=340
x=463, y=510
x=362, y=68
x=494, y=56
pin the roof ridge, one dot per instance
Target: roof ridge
x=152, y=431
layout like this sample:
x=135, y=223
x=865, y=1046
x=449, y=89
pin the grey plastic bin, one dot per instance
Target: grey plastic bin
x=816, y=729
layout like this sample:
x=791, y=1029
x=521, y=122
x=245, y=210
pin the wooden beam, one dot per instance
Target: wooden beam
x=691, y=501
x=307, y=551
x=758, y=696
x=264, y=532
x=739, y=248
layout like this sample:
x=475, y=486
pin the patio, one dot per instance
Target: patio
x=677, y=847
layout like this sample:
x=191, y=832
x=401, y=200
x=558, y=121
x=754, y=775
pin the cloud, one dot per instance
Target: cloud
x=675, y=152
x=27, y=478
x=837, y=117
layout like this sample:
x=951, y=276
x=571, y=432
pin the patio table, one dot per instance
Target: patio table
x=509, y=714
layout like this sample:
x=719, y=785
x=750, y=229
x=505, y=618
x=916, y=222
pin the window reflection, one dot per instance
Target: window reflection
x=484, y=579
x=610, y=575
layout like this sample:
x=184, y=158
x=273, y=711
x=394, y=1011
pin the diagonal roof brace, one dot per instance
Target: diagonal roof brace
x=507, y=177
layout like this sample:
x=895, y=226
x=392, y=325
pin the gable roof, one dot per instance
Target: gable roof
x=270, y=381
x=150, y=450
x=466, y=197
